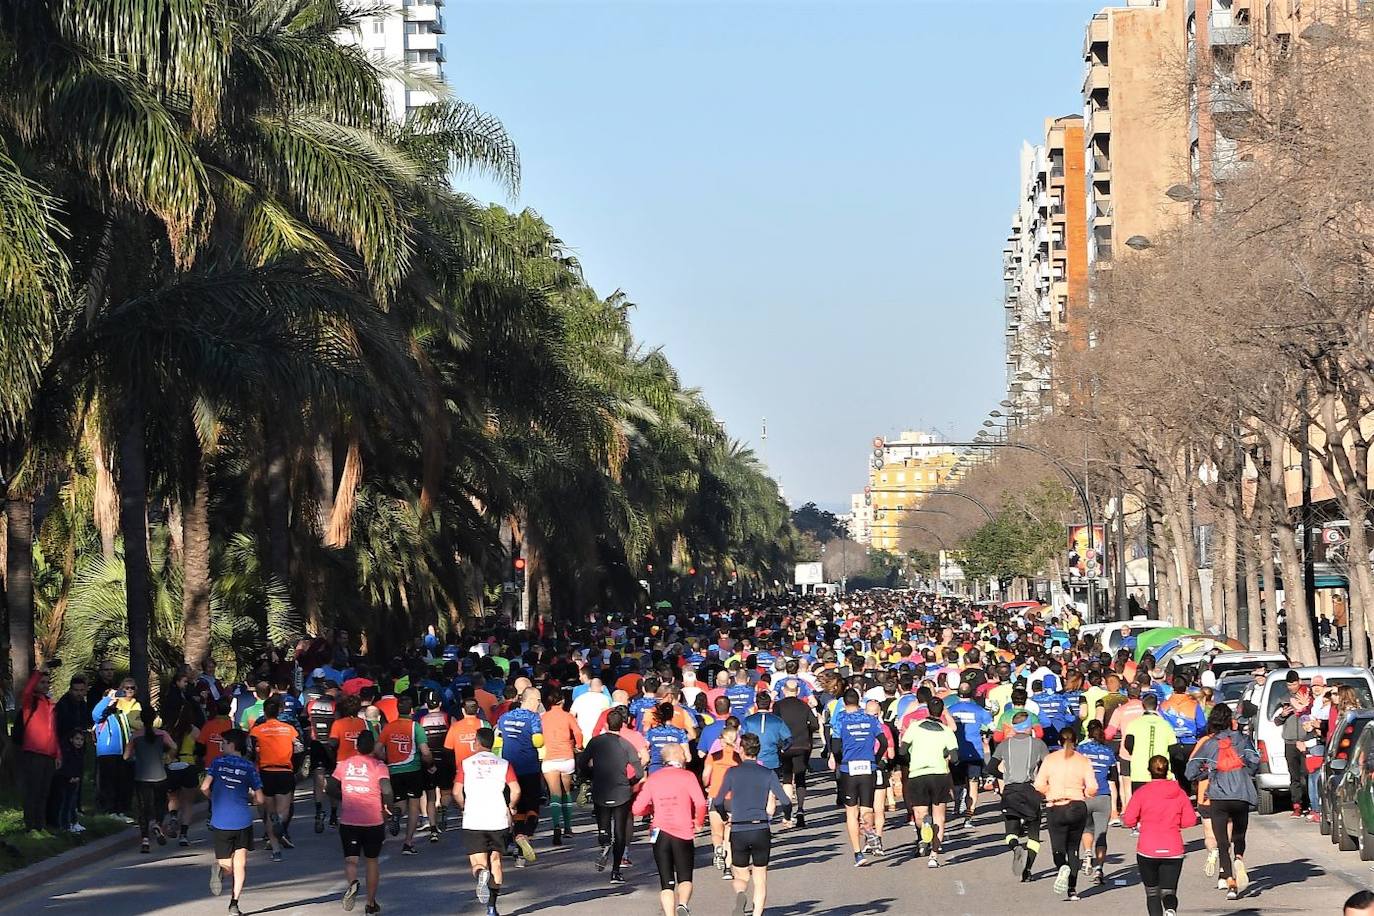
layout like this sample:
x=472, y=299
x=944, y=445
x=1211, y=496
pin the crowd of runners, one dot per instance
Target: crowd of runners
x=727, y=722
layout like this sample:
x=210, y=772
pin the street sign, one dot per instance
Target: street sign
x=808, y=574
x=1332, y=536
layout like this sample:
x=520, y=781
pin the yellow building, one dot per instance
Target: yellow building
x=901, y=472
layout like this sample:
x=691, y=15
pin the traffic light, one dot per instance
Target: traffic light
x=691, y=570
x=518, y=564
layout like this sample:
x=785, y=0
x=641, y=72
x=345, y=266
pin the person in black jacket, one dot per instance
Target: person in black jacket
x=613, y=765
x=796, y=759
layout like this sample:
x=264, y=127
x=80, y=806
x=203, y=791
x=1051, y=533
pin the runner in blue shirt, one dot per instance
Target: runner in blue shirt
x=973, y=723
x=741, y=695
x=521, y=735
x=664, y=733
x=1099, y=805
x=234, y=788
x=774, y=735
x=855, y=743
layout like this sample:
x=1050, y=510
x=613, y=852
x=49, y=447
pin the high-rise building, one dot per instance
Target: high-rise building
x=1137, y=134
x=1045, y=266
x=859, y=520
x=901, y=474
x=408, y=35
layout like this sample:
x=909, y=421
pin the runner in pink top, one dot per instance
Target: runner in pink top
x=362, y=785
x=674, y=797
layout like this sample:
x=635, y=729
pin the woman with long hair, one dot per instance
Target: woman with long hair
x=1228, y=761
x=1066, y=780
x=1162, y=811
x=183, y=773
x=149, y=750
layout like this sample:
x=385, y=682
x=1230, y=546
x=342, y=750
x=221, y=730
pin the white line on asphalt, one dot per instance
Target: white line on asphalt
x=959, y=888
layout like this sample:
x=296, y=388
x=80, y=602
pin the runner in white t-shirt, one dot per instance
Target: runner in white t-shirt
x=481, y=786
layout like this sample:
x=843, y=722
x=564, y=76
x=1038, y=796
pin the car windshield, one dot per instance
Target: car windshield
x=1228, y=667
x=1230, y=691
x=1279, y=693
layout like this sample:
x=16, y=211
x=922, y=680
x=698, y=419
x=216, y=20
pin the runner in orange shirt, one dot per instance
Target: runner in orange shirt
x=343, y=734
x=562, y=741
x=211, y=732
x=717, y=765
x=462, y=734
x=274, y=744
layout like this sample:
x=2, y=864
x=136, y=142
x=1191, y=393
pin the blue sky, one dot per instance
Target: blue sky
x=807, y=201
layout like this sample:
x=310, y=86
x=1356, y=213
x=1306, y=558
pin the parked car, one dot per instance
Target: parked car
x=1224, y=663
x=1336, y=764
x=1110, y=633
x=1230, y=688
x=1352, y=811
x=1264, y=699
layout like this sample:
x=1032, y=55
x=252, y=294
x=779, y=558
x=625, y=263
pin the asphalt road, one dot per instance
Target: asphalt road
x=1293, y=869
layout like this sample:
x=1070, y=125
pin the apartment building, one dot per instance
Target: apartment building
x=1136, y=123
x=1045, y=266
x=409, y=34
x=901, y=473
x=859, y=520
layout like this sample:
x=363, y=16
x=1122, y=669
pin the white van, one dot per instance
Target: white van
x=1266, y=697
x=1110, y=632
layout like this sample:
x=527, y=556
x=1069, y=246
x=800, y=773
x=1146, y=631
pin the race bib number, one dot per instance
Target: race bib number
x=860, y=767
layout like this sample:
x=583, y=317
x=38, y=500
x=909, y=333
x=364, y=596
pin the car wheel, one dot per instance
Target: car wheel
x=1344, y=841
x=1266, y=802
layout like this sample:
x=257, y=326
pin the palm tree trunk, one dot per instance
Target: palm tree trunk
x=195, y=594
x=19, y=587
x=133, y=525
x=278, y=507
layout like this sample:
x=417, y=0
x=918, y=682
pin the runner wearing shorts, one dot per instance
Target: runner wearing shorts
x=407, y=758
x=673, y=796
x=856, y=741
x=749, y=796
x=521, y=736
x=439, y=777
x=319, y=716
x=274, y=743
x=562, y=741
x=931, y=749
x=488, y=791
x=233, y=786
x=362, y=786
x=1099, y=805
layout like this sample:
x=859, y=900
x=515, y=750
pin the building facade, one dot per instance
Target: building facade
x=859, y=520
x=901, y=474
x=410, y=35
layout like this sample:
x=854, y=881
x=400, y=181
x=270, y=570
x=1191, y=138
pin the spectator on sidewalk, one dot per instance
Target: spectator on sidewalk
x=73, y=713
x=39, y=752
x=114, y=774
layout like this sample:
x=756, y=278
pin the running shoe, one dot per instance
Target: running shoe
x=1242, y=875
x=682, y=910
x=319, y=822
x=350, y=896
x=728, y=874
x=1171, y=913
x=395, y=826
x=373, y=909
x=934, y=862
x=491, y=911
x=276, y=856
x=1073, y=897
x=526, y=850
x=77, y=828
x=927, y=832
x=860, y=860
x=484, y=887
x=408, y=849
x=216, y=879
x=801, y=820
x=434, y=835
x=1209, y=868
x=183, y=840
x=1232, y=894
x=1018, y=859
x=877, y=849
x=625, y=860
x=286, y=841
x=234, y=908
x=173, y=823
x=1061, y=880
x=718, y=858
x=1221, y=884
x=143, y=847
x=741, y=901
x=617, y=878
x=603, y=857
x=558, y=836
x=159, y=835
x=521, y=863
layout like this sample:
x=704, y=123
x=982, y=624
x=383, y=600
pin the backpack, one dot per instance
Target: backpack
x=1227, y=760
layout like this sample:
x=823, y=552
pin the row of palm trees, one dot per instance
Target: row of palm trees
x=266, y=370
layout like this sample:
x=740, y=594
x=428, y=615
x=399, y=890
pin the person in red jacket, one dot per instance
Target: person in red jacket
x=1162, y=810
x=39, y=751
x=674, y=797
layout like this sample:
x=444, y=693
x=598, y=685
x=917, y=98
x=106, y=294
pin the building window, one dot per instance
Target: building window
x=378, y=25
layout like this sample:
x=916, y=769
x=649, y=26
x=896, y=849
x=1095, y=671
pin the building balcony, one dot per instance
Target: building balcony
x=422, y=12
x=1097, y=33
x=1231, y=100
x=1095, y=79
x=1101, y=123
x=422, y=41
x=1229, y=36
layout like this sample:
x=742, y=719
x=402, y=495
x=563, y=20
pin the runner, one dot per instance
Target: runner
x=1228, y=762
x=673, y=797
x=749, y=796
x=614, y=767
x=148, y=751
x=855, y=743
x=1161, y=810
x=802, y=725
x=1066, y=780
x=1016, y=762
x=234, y=787
x=435, y=722
x=408, y=758
x=319, y=716
x=520, y=738
x=931, y=750
x=274, y=742
x=482, y=786
x=717, y=765
x=1099, y=805
x=362, y=786
x=974, y=724
x=562, y=742
x=1148, y=734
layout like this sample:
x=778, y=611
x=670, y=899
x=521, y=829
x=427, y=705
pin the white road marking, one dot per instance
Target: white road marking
x=959, y=888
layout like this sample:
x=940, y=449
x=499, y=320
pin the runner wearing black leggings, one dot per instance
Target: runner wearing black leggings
x=1066, y=779
x=1160, y=810
x=1228, y=761
x=614, y=767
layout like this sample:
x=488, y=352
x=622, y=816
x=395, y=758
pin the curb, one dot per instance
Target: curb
x=39, y=872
